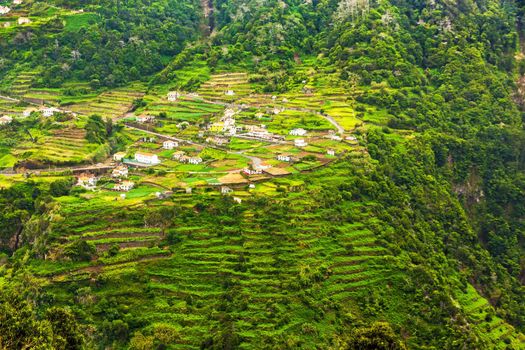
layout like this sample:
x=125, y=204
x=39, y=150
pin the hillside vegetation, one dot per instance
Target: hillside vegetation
x=370, y=195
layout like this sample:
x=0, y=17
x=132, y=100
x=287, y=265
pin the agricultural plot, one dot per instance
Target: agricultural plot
x=482, y=315
x=226, y=87
x=110, y=104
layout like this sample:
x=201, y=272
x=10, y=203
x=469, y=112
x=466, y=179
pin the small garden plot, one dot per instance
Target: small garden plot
x=238, y=144
x=285, y=121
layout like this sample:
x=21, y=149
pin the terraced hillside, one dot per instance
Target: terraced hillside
x=65, y=146
x=112, y=103
x=219, y=87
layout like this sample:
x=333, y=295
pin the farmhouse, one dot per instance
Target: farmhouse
x=298, y=132
x=147, y=158
x=249, y=171
x=5, y=120
x=27, y=112
x=229, y=93
x=226, y=190
x=173, y=96
x=195, y=160
x=237, y=200
x=120, y=171
x=88, y=181
x=335, y=137
x=49, y=111
x=4, y=10
x=144, y=118
x=23, y=20
x=330, y=152
x=169, y=144
x=300, y=143
x=117, y=157
x=178, y=155
x=351, y=138
x=17, y=2
x=124, y=186
x=286, y=157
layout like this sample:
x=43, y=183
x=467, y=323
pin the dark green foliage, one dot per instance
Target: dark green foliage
x=97, y=131
x=80, y=251
x=61, y=187
x=379, y=336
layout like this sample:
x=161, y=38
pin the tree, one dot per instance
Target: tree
x=379, y=336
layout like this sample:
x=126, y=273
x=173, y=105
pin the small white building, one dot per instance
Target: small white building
x=330, y=152
x=147, y=158
x=88, y=181
x=117, y=157
x=226, y=190
x=300, y=143
x=23, y=20
x=335, y=137
x=229, y=93
x=237, y=200
x=17, y=2
x=249, y=171
x=144, y=118
x=351, y=138
x=5, y=120
x=194, y=160
x=178, y=155
x=284, y=157
x=120, y=171
x=298, y=132
x=173, y=96
x=4, y=10
x=169, y=144
x=124, y=186
x=251, y=186
x=49, y=111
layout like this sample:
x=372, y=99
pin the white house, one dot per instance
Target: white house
x=5, y=120
x=335, y=137
x=144, y=118
x=284, y=157
x=173, y=96
x=4, y=10
x=298, y=132
x=351, y=138
x=229, y=93
x=169, y=144
x=249, y=171
x=117, y=157
x=147, y=158
x=17, y=2
x=178, y=155
x=226, y=190
x=237, y=200
x=300, y=143
x=252, y=186
x=330, y=152
x=49, y=111
x=120, y=171
x=195, y=160
x=124, y=186
x=88, y=181
x=23, y=20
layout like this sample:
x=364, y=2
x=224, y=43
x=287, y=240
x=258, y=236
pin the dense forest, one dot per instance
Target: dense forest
x=446, y=203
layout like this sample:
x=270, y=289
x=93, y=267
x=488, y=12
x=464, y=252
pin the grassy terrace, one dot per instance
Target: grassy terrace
x=112, y=104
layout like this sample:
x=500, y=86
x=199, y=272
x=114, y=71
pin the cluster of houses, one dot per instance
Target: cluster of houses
x=45, y=111
x=226, y=125
x=4, y=10
x=144, y=118
x=181, y=157
x=120, y=174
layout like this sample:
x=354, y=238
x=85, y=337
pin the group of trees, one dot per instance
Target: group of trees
x=122, y=41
